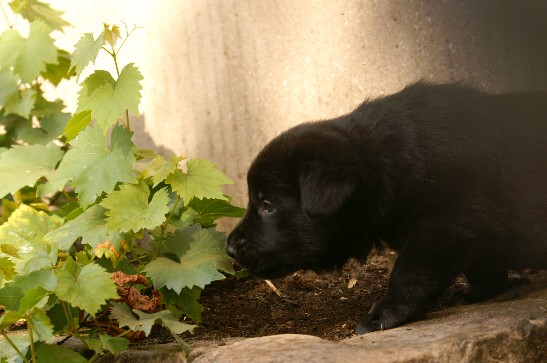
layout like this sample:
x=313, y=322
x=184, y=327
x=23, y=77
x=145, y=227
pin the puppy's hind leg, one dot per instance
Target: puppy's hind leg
x=486, y=281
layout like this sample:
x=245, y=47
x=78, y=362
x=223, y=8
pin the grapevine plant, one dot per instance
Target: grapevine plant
x=92, y=228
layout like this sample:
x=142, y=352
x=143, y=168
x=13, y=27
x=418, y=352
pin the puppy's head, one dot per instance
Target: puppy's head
x=301, y=197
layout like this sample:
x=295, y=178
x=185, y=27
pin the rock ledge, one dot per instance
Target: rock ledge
x=513, y=328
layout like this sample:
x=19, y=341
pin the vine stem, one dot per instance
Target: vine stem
x=114, y=55
x=10, y=25
x=31, y=336
x=94, y=358
x=14, y=346
x=127, y=119
x=67, y=315
x=164, y=228
x=73, y=329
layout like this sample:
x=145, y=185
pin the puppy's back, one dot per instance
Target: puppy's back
x=484, y=154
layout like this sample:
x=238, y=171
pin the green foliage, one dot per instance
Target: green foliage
x=186, y=301
x=95, y=165
x=77, y=206
x=128, y=209
x=112, y=344
x=203, y=180
x=27, y=57
x=87, y=287
x=21, y=237
x=198, y=254
x=85, y=51
x=51, y=353
x=76, y=124
x=144, y=321
x=33, y=10
x=108, y=99
x=22, y=165
x=160, y=168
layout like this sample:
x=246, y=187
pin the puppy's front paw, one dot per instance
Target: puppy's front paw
x=382, y=317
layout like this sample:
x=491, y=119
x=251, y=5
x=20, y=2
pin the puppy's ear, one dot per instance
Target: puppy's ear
x=324, y=189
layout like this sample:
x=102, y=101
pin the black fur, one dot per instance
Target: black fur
x=453, y=179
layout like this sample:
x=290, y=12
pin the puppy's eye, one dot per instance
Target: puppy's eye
x=267, y=207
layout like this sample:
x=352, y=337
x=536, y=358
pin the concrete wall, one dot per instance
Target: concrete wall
x=222, y=77
x=230, y=75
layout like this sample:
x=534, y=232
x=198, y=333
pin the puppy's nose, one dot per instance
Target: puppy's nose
x=231, y=249
x=232, y=243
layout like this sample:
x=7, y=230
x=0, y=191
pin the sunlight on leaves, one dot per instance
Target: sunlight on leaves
x=28, y=56
x=85, y=51
x=22, y=165
x=95, y=166
x=108, y=99
x=87, y=288
x=128, y=209
x=203, y=180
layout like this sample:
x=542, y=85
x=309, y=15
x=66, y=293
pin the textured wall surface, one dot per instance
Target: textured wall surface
x=222, y=77
x=230, y=75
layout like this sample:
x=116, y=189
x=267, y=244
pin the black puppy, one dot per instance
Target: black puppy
x=453, y=179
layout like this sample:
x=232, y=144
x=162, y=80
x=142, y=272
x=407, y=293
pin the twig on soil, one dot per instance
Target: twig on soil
x=352, y=282
x=275, y=289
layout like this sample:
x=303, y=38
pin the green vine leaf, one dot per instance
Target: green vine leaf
x=8, y=84
x=54, y=124
x=123, y=314
x=45, y=279
x=200, y=253
x=90, y=226
x=20, y=103
x=160, y=168
x=42, y=257
x=144, y=322
x=196, y=244
x=107, y=98
x=34, y=9
x=59, y=317
x=76, y=124
x=7, y=270
x=128, y=209
x=28, y=56
x=24, y=232
x=11, y=296
x=114, y=345
x=34, y=298
x=41, y=325
x=186, y=301
x=22, y=165
x=53, y=353
x=95, y=166
x=8, y=318
x=209, y=210
x=55, y=183
x=87, y=288
x=85, y=51
x=203, y=180
x=55, y=73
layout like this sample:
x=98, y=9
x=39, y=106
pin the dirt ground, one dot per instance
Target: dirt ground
x=326, y=305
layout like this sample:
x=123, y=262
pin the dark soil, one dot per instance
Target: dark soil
x=324, y=305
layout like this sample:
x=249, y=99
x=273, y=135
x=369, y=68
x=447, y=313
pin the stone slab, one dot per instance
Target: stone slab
x=511, y=329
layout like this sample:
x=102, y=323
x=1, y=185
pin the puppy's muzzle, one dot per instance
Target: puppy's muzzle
x=235, y=241
x=231, y=249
